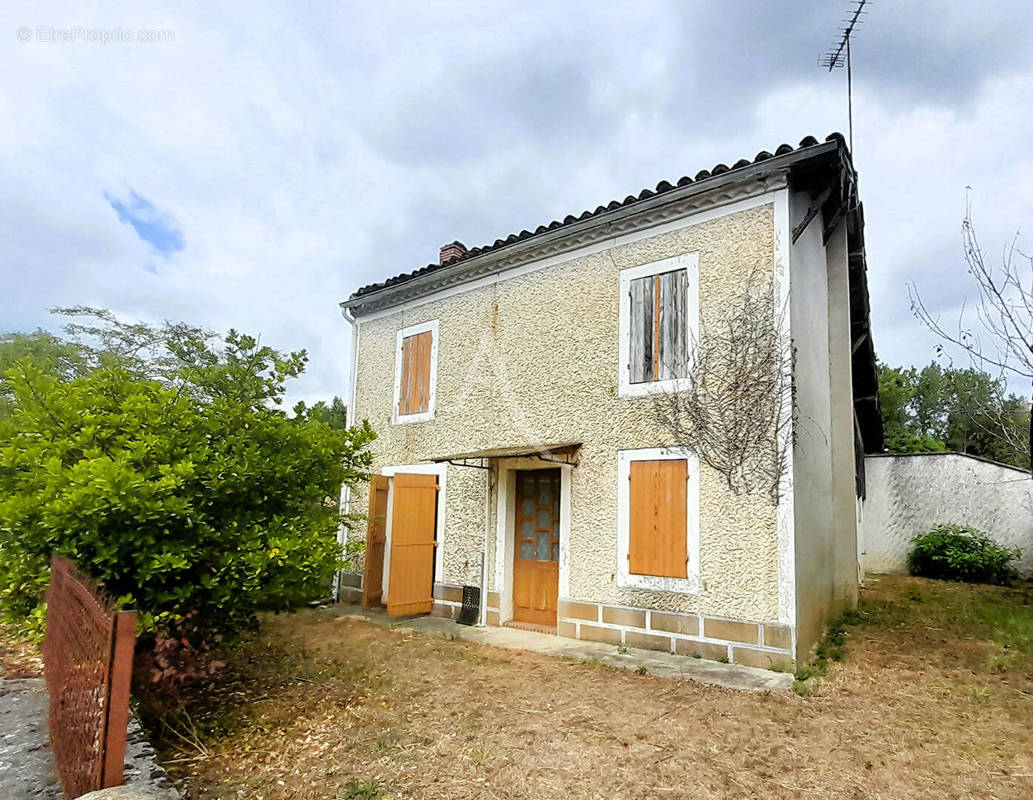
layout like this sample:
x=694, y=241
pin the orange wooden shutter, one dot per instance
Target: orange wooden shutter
x=411, y=571
x=414, y=390
x=657, y=534
x=376, y=536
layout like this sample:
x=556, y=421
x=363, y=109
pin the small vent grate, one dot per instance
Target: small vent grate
x=471, y=605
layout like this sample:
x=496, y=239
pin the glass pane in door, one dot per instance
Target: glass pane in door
x=542, y=553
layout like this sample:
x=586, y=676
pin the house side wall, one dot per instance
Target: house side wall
x=534, y=359
x=813, y=476
x=847, y=567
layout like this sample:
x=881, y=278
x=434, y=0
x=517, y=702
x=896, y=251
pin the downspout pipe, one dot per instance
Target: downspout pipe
x=482, y=618
x=345, y=499
x=354, y=323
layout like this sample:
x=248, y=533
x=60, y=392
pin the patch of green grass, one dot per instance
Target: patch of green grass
x=642, y=671
x=622, y=649
x=357, y=789
x=723, y=660
x=998, y=614
x=1001, y=615
x=832, y=647
x=1000, y=661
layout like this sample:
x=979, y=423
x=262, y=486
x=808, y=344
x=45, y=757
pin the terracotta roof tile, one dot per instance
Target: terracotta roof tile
x=662, y=186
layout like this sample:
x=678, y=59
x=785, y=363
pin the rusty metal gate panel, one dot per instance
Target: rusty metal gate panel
x=87, y=663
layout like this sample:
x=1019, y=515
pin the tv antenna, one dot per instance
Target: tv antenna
x=839, y=54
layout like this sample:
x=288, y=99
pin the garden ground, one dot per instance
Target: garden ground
x=933, y=699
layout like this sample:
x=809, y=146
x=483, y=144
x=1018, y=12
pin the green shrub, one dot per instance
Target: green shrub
x=187, y=494
x=915, y=444
x=959, y=553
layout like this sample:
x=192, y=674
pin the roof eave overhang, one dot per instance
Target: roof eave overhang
x=729, y=187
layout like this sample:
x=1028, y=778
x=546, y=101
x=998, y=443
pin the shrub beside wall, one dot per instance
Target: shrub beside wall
x=959, y=553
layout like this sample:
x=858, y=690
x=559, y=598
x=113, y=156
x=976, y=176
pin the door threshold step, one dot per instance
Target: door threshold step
x=530, y=626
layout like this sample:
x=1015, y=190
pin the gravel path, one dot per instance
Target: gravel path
x=26, y=767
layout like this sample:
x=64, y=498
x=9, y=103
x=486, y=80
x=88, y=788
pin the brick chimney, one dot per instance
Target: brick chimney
x=450, y=252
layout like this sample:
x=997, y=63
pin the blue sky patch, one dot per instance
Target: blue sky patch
x=152, y=225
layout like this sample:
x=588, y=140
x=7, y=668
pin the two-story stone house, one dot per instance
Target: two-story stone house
x=513, y=389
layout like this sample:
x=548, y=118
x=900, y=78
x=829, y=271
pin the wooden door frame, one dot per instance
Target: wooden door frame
x=505, y=528
x=533, y=573
x=441, y=470
x=371, y=599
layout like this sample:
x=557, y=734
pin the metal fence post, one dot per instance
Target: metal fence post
x=117, y=723
x=88, y=664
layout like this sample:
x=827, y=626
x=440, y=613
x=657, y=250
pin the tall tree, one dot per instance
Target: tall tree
x=937, y=408
x=50, y=354
x=1000, y=337
x=335, y=415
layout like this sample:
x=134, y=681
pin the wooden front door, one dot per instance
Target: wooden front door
x=376, y=538
x=414, y=503
x=537, y=551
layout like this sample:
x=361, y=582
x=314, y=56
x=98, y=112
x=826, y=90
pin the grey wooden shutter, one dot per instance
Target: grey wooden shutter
x=672, y=350
x=641, y=349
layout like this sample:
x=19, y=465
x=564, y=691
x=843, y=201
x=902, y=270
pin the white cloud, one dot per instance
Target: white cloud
x=305, y=151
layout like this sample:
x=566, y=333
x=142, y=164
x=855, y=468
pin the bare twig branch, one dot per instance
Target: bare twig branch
x=1002, y=336
x=736, y=407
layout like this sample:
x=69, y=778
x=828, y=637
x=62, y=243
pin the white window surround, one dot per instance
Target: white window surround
x=690, y=263
x=412, y=330
x=690, y=584
x=441, y=470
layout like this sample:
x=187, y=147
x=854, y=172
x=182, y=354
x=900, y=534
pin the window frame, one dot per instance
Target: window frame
x=690, y=263
x=412, y=330
x=690, y=584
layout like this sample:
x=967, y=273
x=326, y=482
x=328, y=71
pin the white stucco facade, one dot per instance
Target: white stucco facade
x=534, y=354
x=534, y=359
x=825, y=543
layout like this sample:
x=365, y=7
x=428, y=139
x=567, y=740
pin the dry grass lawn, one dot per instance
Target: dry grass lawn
x=934, y=699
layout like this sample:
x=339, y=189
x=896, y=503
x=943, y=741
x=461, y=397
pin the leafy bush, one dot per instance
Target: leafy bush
x=959, y=553
x=915, y=444
x=177, y=484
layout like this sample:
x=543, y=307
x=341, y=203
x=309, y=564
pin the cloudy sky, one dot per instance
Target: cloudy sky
x=256, y=163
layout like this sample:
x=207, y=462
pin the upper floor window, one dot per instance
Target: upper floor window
x=416, y=367
x=658, y=323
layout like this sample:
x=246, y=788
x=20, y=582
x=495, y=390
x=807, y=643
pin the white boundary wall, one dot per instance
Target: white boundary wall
x=910, y=494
